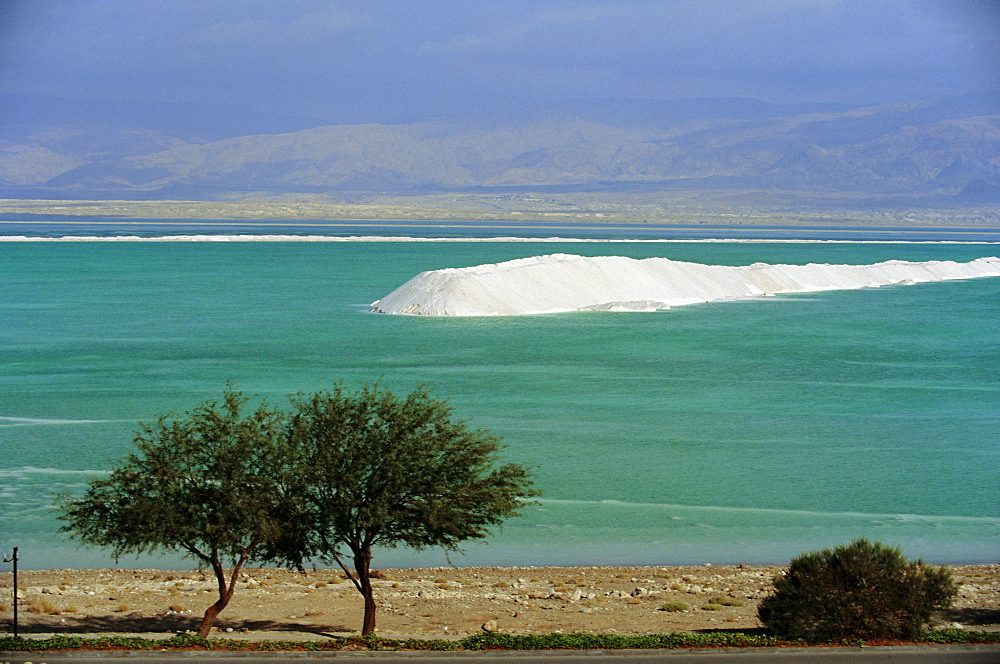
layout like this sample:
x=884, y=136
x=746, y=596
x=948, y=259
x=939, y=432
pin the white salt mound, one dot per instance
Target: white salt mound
x=560, y=283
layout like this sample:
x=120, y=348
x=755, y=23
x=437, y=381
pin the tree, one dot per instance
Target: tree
x=861, y=590
x=210, y=484
x=384, y=471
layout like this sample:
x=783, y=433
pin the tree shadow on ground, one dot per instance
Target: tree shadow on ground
x=140, y=623
x=971, y=617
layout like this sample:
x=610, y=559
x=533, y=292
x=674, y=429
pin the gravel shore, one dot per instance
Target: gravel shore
x=435, y=602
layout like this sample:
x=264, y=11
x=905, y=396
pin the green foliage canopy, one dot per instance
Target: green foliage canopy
x=340, y=474
x=389, y=471
x=207, y=484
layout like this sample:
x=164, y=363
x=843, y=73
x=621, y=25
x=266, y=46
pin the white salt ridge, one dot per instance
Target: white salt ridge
x=560, y=283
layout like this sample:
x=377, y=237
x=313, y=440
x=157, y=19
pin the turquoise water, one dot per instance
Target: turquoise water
x=725, y=433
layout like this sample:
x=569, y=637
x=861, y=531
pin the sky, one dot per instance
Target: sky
x=401, y=60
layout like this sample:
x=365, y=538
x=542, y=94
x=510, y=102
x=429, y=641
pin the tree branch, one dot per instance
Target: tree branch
x=350, y=575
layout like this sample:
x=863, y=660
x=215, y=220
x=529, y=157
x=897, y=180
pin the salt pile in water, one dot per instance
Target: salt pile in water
x=559, y=283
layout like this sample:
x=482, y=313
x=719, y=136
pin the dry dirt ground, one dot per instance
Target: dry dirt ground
x=436, y=602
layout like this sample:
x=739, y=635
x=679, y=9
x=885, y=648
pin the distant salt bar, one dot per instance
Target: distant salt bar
x=559, y=283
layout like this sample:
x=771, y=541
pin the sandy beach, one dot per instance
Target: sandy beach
x=435, y=602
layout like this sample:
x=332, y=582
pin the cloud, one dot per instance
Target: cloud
x=396, y=59
x=282, y=31
x=522, y=30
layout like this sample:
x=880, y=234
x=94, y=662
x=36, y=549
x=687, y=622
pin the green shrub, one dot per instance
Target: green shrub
x=860, y=590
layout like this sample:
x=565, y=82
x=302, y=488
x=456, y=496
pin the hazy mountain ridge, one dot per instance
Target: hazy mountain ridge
x=938, y=146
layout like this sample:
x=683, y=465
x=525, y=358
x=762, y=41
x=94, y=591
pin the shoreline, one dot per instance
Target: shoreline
x=700, y=209
x=497, y=239
x=428, y=602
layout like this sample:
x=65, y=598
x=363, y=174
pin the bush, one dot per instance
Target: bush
x=722, y=600
x=43, y=606
x=861, y=590
x=675, y=607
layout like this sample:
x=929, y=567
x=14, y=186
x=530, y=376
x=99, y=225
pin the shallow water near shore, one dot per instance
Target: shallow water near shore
x=727, y=432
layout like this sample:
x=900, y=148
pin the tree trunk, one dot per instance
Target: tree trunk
x=226, y=591
x=210, y=614
x=369, y=625
x=362, y=564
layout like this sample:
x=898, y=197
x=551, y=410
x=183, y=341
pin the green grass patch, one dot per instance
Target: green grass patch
x=494, y=641
x=484, y=641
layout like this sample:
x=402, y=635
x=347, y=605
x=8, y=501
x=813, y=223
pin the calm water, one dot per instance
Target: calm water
x=732, y=432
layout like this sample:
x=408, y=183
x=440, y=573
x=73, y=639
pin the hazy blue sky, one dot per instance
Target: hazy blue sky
x=389, y=60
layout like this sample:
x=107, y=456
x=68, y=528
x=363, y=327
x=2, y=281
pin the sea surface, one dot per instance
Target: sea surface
x=737, y=432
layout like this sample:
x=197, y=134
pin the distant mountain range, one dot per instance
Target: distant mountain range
x=939, y=147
